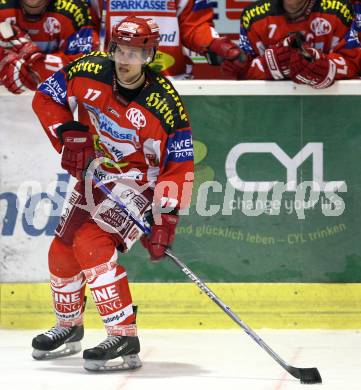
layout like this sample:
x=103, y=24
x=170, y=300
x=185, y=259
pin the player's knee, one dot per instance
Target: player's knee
x=61, y=260
x=92, y=246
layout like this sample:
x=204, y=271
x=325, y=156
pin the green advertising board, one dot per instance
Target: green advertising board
x=305, y=228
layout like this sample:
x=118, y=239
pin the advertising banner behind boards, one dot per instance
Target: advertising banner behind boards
x=276, y=196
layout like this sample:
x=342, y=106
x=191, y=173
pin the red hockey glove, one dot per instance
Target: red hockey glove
x=6, y=35
x=161, y=236
x=309, y=66
x=236, y=69
x=233, y=60
x=78, y=149
x=275, y=61
x=12, y=37
x=16, y=61
x=224, y=48
x=14, y=74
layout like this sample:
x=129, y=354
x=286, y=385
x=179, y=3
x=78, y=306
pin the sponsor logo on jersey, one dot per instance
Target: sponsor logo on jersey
x=254, y=13
x=80, y=43
x=119, y=133
x=161, y=104
x=320, y=26
x=52, y=25
x=142, y=5
x=338, y=6
x=77, y=12
x=175, y=97
x=136, y=117
x=116, y=154
x=180, y=147
x=115, y=131
x=87, y=66
x=55, y=87
x=106, y=125
x=112, y=111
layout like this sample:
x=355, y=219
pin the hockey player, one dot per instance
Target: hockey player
x=135, y=130
x=187, y=23
x=38, y=37
x=311, y=42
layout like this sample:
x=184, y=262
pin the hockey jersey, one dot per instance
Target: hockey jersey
x=148, y=140
x=63, y=33
x=186, y=23
x=357, y=21
x=330, y=28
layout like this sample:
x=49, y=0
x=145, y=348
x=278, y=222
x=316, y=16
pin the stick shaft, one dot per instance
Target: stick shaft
x=202, y=286
x=98, y=183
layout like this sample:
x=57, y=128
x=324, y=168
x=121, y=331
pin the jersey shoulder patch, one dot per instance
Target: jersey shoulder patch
x=341, y=8
x=256, y=11
x=75, y=10
x=164, y=102
x=95, y=65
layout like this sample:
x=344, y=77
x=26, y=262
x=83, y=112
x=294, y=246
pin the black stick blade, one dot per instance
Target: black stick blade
x=307, y=376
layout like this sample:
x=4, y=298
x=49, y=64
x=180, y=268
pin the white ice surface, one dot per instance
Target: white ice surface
x=187, y=360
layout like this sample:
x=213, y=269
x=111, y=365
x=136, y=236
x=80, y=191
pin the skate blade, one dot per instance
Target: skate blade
x=67, y=350
x=130, y=362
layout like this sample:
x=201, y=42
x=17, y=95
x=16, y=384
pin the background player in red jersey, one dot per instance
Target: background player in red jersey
x=187, y=23
x=311, y=42
x=38, y=37
x=134, y=130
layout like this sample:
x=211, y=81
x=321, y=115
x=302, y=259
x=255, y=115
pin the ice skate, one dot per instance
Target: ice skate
x=104, y=357
x=48, y=345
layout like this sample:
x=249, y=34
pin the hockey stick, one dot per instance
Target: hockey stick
x=305, y=375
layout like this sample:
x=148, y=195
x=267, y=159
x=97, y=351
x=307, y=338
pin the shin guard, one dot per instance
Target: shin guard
x=109, y=288
x=68, y=299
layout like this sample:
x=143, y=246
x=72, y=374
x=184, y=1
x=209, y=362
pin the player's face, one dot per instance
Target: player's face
x=129, y=61
x=128, y=73
x=293, y=3
x=131, y=55
x=34, y=7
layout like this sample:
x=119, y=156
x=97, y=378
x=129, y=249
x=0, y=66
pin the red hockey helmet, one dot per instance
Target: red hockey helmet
x=140, y=35
x=135, y=31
